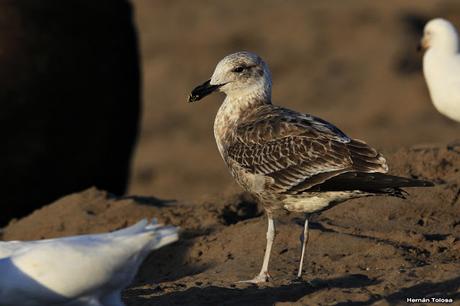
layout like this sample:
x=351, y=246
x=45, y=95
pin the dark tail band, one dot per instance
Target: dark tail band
x=371, y=182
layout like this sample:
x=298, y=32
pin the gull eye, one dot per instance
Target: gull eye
x=239, y=69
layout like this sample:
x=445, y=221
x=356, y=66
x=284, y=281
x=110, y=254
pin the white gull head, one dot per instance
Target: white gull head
x=440, y=35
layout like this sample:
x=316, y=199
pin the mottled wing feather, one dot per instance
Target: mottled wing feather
x=298, y=151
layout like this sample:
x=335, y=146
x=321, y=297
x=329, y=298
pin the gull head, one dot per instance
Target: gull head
x=241, y=74
x=439, y=34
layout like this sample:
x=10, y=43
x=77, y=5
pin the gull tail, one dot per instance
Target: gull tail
x=136, y=228
x=163, y=235
x=155, y=235
x=378, y=183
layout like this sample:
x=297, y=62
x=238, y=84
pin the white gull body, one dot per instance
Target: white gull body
x=87, y=270
x=441, y=66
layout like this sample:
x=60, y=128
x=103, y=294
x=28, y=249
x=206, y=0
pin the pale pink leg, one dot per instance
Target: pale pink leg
x=263, y=275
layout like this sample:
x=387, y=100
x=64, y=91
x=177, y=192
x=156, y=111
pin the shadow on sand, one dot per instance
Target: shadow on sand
x=446, y=289
x=214, y=295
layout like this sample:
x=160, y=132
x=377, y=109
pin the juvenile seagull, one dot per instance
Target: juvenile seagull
x=441, y=66
x=287, y=159
x=89, y=270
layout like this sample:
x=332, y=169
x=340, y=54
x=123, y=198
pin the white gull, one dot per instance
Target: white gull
x=87, y=270
x=441, y=66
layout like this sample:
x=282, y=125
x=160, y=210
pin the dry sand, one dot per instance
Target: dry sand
x=374, y=250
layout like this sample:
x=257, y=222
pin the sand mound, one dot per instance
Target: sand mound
x=364, y=251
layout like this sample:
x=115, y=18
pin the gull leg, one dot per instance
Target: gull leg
x=304, y=240
x=263, y=275
x=270, y=239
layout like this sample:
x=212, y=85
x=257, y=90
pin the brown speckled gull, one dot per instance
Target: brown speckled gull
x=286, y=159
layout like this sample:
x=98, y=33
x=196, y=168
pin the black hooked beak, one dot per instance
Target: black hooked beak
x=202, y=91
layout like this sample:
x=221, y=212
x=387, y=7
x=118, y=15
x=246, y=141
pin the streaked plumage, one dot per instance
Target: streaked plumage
x=297, y=151
x=88, y=270
x=287, y=159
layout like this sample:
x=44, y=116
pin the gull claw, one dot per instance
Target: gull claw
x=261, y=278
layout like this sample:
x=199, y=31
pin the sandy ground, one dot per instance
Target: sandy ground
x=350, y=62
x=375, y=250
